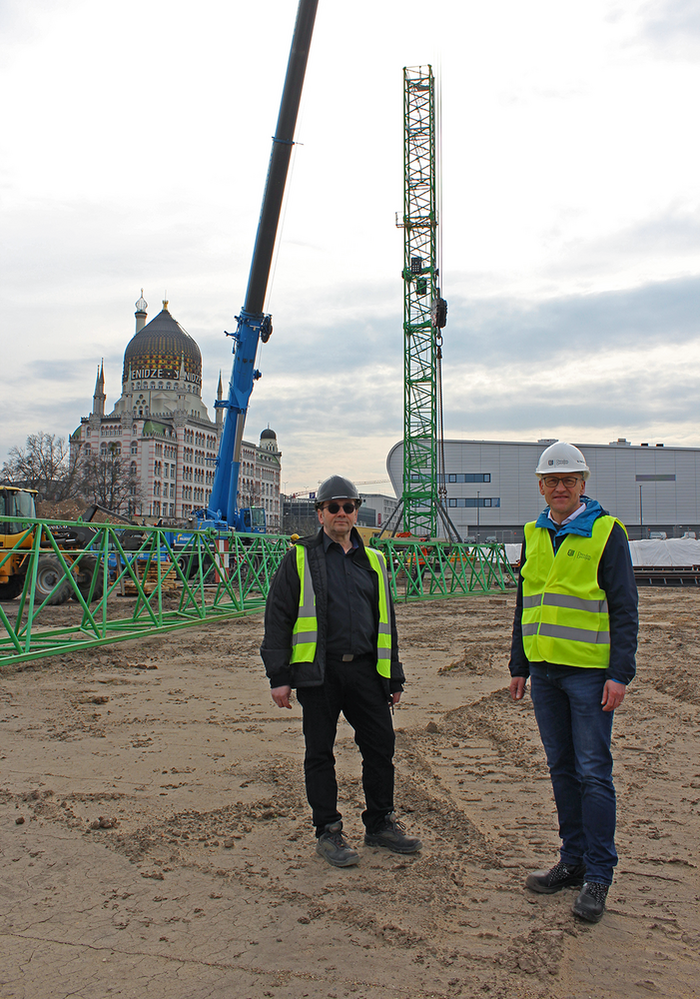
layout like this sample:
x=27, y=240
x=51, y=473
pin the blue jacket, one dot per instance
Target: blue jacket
x=615, y=576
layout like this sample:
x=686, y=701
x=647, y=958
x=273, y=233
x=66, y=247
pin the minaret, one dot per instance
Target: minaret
x=219, y=396
x=141, y=314
x=99, y=397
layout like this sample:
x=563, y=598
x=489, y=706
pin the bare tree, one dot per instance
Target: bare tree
x=106, y=478
x=43, y=464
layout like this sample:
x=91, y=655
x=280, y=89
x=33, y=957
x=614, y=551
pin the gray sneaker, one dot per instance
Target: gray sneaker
x=332, y=846
x=392, y=836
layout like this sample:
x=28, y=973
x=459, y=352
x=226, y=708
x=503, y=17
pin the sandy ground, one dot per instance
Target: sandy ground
x=155, y=838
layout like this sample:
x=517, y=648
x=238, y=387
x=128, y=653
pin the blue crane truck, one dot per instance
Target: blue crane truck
x=223, y=513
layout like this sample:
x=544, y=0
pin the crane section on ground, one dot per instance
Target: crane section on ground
x=222, y=512
x=425, y=313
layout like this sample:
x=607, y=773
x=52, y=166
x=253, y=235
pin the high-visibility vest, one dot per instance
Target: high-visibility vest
x=305, y=632
x=565, y=612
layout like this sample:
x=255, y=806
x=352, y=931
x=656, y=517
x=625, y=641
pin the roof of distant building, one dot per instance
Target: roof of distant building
x=153, y=427
x=157, y=351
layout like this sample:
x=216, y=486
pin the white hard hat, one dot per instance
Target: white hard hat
x=562, y=457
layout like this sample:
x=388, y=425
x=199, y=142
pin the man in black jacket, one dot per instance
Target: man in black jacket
x=330, y=632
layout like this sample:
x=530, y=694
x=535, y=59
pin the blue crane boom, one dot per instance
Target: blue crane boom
x=223, y=512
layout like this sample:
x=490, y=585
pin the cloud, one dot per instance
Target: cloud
x=673, y=26
x=489, y=331
x=607, y=365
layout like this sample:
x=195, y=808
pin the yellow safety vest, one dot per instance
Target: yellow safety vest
x=565, y=613
x=305, y=632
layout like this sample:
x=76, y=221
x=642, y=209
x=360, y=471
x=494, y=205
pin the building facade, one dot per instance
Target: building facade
x=161, y=430
x=492, y=490
x=376, y=509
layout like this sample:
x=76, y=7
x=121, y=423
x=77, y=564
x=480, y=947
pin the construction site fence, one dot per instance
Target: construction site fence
x=128, y=583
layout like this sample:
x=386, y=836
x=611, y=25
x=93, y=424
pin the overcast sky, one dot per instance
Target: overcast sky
x=134, y=143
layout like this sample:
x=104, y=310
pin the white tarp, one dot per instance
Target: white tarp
x=513, y=553
x=672, y=551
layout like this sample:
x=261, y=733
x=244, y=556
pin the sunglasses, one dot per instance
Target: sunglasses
x=347, y=507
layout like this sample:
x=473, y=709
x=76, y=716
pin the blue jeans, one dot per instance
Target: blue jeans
x=575, y=733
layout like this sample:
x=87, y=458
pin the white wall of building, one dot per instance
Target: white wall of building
x=383, y=507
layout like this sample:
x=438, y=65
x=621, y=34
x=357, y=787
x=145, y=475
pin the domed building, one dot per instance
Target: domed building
x=161, y=423
x=162, y=369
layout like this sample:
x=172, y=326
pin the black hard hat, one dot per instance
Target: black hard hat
x=335, y=488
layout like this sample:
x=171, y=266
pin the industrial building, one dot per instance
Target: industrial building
x=492, y=490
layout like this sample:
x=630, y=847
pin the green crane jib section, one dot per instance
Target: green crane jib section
x=421, y=295
x=140, y=583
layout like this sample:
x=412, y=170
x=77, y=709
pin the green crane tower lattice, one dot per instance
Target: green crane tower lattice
x=425, y=311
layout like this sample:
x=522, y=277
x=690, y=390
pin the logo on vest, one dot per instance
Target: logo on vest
x=572, y=553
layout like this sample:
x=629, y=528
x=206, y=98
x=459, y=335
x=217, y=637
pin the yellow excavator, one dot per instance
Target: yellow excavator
x=17, y=541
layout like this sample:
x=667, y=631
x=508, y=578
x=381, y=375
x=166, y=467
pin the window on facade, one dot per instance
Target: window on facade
x=473, y=501
x=469, y=477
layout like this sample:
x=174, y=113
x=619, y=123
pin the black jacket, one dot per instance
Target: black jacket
x=281, y=614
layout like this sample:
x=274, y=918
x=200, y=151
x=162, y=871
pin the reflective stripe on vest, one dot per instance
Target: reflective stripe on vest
x=305, y=631
x=565, y=613
x=378, y=563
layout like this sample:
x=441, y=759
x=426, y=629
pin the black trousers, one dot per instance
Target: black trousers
x=356, y=689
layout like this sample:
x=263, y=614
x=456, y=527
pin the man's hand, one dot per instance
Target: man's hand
x=396, y=697
x=280, y=695
x=517, y=687
x=613, y=695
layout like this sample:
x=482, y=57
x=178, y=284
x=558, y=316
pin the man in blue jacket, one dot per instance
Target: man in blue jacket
x=575, y=636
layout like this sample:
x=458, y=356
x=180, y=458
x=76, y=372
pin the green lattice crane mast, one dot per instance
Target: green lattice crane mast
x=425, y=312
